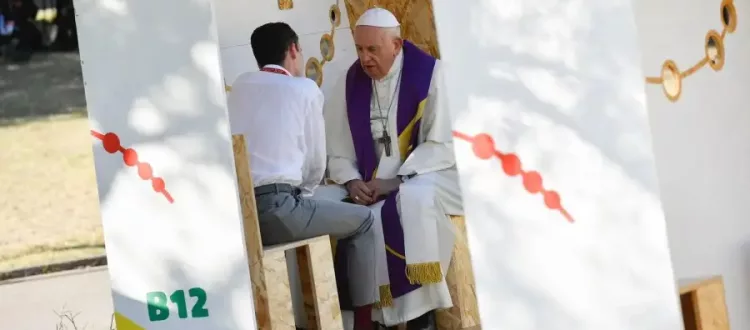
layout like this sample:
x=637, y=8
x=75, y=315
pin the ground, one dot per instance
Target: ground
x=35, y=303
x=48, y=196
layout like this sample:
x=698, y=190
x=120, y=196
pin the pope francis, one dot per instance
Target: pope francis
x=389, y=145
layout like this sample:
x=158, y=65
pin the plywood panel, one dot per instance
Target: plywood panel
x=416, y=17
x=321, y=299
x=460, y=278
x=279, y=297
x=704, y=304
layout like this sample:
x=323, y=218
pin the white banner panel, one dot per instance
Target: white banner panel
x=554, y=151
x=164, y=164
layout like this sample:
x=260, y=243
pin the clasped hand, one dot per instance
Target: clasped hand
x=367, y=193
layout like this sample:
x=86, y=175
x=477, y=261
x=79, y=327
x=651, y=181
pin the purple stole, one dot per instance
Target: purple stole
x=416, y=77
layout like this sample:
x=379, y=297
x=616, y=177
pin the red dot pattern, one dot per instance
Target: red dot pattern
x=111, y=144
x=484, y=148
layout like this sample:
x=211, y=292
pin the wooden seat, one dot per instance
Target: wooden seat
x=268, y=268
x=703, y=303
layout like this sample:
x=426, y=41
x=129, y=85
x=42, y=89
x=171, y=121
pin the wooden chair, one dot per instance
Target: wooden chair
x=268, y=268
x=703, y=303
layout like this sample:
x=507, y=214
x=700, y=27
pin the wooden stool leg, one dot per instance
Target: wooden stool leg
x=319, y=286
x=460, y=279
x=278, y=294
x=704, y=308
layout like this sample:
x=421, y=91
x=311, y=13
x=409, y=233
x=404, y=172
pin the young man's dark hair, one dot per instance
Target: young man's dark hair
x=271, y=41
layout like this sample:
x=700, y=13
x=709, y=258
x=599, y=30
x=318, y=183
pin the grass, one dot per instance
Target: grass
x=49, y=210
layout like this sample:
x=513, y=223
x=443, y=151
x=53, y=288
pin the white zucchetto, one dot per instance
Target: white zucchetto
x=378, y=17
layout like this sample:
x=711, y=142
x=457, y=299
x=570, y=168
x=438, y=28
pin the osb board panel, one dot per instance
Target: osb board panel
x=416, y=17
x=318, y=279
x=279, y=294
x=286, y=4
x=460, y=278
x=704, y=304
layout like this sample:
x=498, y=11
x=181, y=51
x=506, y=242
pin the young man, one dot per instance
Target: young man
x=281, y=115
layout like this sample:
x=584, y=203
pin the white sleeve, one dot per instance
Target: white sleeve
x=435, y=151
x=342, y=159
x=315, y=139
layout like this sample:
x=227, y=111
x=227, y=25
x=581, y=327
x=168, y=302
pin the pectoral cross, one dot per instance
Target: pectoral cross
x=385, y=140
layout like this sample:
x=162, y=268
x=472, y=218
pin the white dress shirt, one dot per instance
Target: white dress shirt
x=281, y=118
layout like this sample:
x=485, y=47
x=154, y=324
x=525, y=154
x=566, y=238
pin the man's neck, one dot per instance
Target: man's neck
x=275, y=66
x=395, y=68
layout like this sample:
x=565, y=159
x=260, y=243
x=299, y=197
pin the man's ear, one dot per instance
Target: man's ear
x=399, y=43
x=294, y=51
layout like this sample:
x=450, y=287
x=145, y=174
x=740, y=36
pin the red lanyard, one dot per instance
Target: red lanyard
x=275, y=70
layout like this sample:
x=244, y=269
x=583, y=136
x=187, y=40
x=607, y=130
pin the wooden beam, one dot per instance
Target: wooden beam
x=704, y=304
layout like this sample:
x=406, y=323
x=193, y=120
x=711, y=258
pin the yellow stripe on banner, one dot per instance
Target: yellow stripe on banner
x=124, y=323
x=227, y=88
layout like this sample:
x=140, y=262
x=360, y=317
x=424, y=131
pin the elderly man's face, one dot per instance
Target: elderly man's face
x=377, y=49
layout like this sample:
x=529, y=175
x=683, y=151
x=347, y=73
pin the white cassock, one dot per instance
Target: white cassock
x=425, y=201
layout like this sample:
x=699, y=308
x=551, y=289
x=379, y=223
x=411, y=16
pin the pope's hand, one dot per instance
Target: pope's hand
x=360, y=192
x=382, y=187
